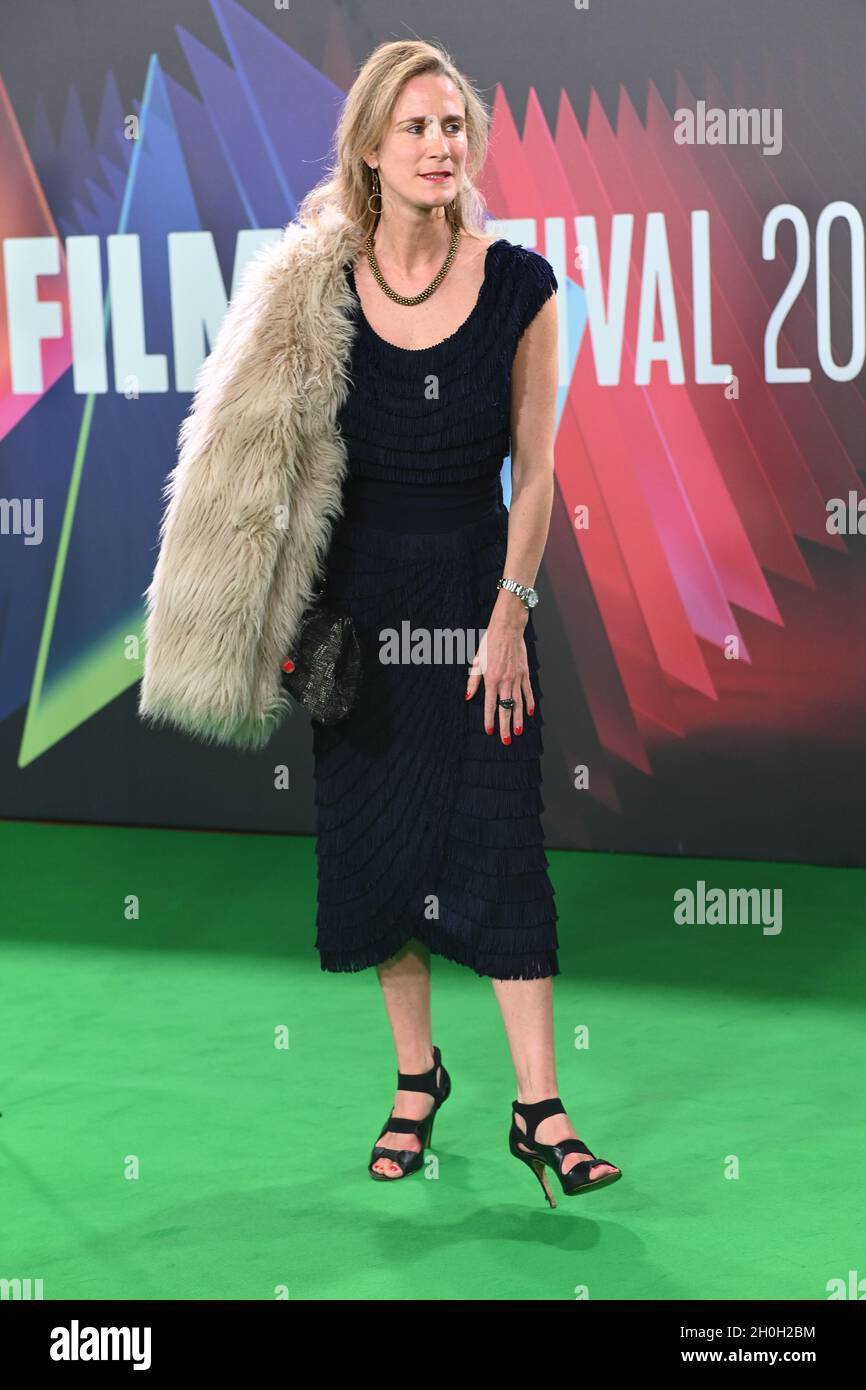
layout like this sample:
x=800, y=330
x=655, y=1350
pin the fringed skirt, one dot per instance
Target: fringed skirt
x=427, y=827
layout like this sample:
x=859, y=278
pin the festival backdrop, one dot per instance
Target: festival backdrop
x=695, y=175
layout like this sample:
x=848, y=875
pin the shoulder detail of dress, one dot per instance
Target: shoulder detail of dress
x=531, y=282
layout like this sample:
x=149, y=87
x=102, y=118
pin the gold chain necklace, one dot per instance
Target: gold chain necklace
x=434, y=283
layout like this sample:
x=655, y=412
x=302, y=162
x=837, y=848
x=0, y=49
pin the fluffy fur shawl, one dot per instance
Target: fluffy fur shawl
x=256, y=489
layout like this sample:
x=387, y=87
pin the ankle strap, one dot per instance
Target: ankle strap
x=537, y=1111
x=422, y=1080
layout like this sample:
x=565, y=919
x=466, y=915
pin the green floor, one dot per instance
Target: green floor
x=149, y=1041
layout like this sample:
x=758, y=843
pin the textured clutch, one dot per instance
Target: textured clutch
x=327, y=664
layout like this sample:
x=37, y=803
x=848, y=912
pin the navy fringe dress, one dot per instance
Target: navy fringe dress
x=428, y=827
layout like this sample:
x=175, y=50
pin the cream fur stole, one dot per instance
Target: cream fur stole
x=254, y=494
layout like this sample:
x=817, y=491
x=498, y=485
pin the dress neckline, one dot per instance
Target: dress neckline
x=395, y=347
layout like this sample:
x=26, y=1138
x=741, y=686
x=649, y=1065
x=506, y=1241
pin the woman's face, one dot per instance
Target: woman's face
x=426, y=134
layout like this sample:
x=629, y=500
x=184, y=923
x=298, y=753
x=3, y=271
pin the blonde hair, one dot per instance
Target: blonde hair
x=363, y=120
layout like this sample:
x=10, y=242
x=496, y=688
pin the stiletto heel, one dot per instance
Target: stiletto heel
x=538, y=1169
x=542, y=1156
x=409, y=1160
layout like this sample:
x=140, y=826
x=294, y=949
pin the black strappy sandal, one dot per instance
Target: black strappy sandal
x=409, y=1160
x=551, y=1155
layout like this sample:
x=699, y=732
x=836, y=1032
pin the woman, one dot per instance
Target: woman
x=428, y=796
x=375, y=368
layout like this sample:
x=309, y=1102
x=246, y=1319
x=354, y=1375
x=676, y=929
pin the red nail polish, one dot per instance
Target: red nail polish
x=489, y=731
x=532, y=711
x=520, y=730
x=468, y=694
x=507, y=738
x=288, y=666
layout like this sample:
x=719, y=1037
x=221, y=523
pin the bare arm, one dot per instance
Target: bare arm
x=533, y=426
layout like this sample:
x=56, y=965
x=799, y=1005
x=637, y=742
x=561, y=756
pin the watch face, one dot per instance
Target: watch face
x=532, y=598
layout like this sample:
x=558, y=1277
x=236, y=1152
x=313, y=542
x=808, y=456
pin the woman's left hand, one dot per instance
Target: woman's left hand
x=501, y=658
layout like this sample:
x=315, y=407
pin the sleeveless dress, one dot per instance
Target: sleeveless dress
x=426, y=826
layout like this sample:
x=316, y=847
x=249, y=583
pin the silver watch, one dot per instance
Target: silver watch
x=528, y=597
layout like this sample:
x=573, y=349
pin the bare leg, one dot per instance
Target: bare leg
x=527, y=1012
x=405, y=981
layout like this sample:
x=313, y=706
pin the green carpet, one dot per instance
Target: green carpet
x=155, y=1144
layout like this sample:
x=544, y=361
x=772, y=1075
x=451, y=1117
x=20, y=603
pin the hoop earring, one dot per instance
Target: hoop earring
x=377, y=193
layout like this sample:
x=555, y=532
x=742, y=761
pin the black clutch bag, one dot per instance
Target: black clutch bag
x=327, y=664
